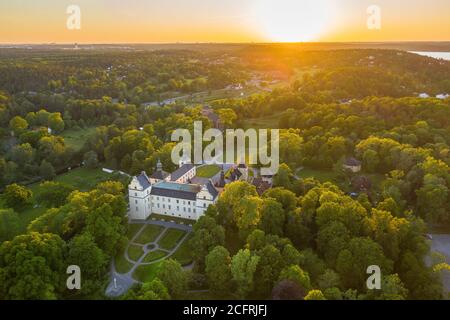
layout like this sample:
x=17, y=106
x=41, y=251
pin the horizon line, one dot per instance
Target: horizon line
x=222, y=42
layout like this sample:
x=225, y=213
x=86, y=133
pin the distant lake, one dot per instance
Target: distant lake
x=436, y=55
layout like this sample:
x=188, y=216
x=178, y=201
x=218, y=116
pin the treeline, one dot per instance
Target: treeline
x=79, y=228
x=313, y=245
x=135, y=76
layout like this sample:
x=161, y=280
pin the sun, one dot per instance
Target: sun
x=293, y=20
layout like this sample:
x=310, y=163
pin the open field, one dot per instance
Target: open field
x=321, y=175
x=75, y=138
x=208, y=171
x=82, y=179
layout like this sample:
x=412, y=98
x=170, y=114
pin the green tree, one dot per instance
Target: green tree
x=218, y=270
x=174, y=278
x=32, y=266
x=91, y=160
x=283, y=178
x=315, y=295
x=106, y=228
x=55, y=122
x=18, y=125
x=371, y=160
x=207, y=234
x=352, y=263
x=16, y=196
x=272, y=217
x=227, y=116
x=243, y=267
x=53, y=194
x=46, y=170
x=154, y=290
x=296, y=274
x=84, y=252
x=268, y=269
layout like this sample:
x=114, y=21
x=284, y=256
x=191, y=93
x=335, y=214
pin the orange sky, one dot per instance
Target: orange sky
x=145, y=21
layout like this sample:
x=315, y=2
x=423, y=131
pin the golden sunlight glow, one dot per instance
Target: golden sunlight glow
x=293, y=20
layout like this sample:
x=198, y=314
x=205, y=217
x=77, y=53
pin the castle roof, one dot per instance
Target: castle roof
x=159, y=175
x=143, y=180
x=181, y=171
x=211, y=189
x=176, y=190
x=181, y=191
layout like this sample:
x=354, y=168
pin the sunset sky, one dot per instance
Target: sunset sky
x=158, y=21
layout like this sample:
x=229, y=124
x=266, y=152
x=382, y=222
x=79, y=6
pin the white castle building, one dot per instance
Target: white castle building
x=170, y=194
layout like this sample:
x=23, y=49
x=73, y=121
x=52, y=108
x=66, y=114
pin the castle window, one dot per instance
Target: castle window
x=137, y=208
x=204, y=205
x=135, y=201
x=135, y=194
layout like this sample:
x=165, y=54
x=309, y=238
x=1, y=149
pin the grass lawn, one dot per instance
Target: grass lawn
x=132, y=229
x=76, y=138
x=154, y=255
x=122, y=264
x=82, y=179
x=149, y=234
x=321, y=175
x=171, y=238
x=135, y=252
x=208, y=171
x=146, y=273
x=184, y=253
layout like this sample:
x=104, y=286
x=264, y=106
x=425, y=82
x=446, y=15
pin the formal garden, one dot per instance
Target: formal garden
x=149, y=245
